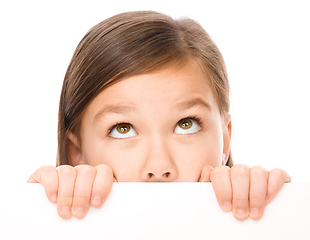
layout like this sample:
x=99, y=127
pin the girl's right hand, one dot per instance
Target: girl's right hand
x=74, y=188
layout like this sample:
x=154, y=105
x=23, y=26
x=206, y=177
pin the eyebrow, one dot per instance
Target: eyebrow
x=193, y=103
x=119, y=109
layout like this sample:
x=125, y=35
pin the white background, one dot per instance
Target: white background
x=139, y=211
x=265, y=45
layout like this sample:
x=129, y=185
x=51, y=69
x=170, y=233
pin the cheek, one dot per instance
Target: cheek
x=190, y=159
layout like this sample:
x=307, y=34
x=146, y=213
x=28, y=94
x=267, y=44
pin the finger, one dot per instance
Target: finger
x=48, y=177
x=240, y=178
x=36, y=176
x=258, y=191
x=66, y=176
x=220, y=178
x=205, y=174
x=102, y=185
x=277, y=177
x=82, y=190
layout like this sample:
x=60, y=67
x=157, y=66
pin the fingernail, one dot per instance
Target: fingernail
x=78, y=212
x=96, y=201
x=65, y=211
x=241, y=213
x=255, y=211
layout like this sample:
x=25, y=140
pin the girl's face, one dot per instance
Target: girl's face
x=161, y=126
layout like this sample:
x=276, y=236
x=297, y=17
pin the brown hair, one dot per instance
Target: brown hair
x=128, y=44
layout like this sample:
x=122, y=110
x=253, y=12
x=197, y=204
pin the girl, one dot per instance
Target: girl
x=146, y=98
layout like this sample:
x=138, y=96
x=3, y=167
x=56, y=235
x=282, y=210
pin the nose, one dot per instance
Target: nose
x=159, y=163
x=166, y=176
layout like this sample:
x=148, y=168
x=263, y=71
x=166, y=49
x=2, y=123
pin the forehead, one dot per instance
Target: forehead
x=159, y=89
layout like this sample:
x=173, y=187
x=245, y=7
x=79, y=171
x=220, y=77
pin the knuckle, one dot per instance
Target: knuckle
x=64, y=199
x=240, y=202
x=257, y=201
x=278, y=173
x=66, y=170
x=48, y=175
x=104, y=168
x=259, y=171
x=240, y=170
x=81, y=200
x=48, y=169
x=86, y=169
x=219, y=171
x=207, y=168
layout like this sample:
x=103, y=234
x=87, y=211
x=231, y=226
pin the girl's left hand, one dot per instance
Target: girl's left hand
x=244, y=191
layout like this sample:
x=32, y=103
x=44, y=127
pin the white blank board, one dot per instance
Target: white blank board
x=155, y=211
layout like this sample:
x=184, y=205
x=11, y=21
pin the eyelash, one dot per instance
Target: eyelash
x=195, y=118
x=115, y=125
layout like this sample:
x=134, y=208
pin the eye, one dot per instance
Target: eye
x=187, y=126
x=123, y=130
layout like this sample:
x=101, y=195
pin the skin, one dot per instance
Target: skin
x=156, y=147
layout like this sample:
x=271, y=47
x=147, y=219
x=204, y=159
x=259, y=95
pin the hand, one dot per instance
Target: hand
x=244, y=191
x=74, y=188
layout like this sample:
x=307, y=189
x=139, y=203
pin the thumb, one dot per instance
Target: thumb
x=205, y=174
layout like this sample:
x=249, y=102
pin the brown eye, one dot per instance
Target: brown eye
x=123, y=128
x=185, y=124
